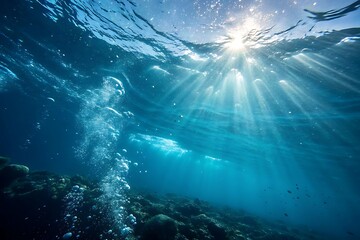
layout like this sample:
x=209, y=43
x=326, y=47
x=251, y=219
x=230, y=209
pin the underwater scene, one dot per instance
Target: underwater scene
x=179, y=119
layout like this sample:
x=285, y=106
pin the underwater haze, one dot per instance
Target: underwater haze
x=249, y=104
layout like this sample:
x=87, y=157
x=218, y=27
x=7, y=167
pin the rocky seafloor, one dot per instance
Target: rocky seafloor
x=43, y=205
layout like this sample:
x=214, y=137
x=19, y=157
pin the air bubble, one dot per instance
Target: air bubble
x=126, y=231
x=67, y=235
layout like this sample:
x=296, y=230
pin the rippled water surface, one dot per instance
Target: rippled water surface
x=250, y=104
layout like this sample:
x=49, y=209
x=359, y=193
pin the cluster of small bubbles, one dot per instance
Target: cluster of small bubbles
x=73, y=202
x=132, y=219
x=101, y=126
x=126, y=231
x=102, y=118
x=128, y=226
x=26, y=144
x=123, y=164
x=114, y=187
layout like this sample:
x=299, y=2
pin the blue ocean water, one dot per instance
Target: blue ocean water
x=246, y=104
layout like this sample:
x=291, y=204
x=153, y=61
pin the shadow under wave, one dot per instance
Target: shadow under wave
x=334, y=13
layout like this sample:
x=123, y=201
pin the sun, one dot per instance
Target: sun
x=236, y=40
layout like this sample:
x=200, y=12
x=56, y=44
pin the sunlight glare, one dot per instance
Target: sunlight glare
x=239, y=34
x=236, y=43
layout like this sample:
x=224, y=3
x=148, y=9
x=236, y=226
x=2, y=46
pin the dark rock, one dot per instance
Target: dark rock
x=189, y=209
x=203, y=234
x=155, y=209
x=250, y=221
x=216, y=230
x=144, y=202
x=181, y=218
x=257, y=233
x=28, y=208
x=3, y=161
x=180, y=237
x=151, y=197
x=207, y=226
x=238, y=236
x=200, y=220
x=278, y=236
x=12, y=172
x=187, y=230
x=160, y=227
x=37, y=207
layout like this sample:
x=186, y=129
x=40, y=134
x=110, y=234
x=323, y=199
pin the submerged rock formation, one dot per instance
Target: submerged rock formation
x=12, y=172
x=159, y=227
x=3, y=161
x=42, y=205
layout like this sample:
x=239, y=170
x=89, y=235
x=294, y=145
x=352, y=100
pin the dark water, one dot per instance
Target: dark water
x=272, y=127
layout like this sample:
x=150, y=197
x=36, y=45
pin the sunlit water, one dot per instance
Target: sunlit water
x=241, y=103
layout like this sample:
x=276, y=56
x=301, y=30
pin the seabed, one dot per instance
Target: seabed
x=44, y=205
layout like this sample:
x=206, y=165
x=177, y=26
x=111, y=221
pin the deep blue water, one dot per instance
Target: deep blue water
x=270, y=125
